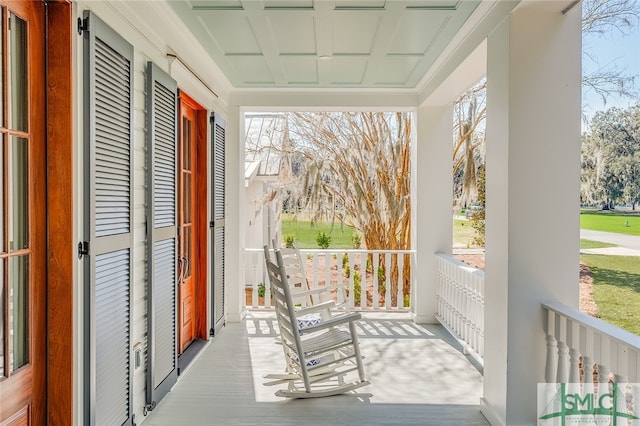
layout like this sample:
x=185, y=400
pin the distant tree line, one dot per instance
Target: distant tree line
x=610, y=159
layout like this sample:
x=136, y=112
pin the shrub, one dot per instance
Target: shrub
x=357, y=288
x=356, y=240
x=323, y=240
x=289, y=240
x=347, y=271
x=407, y=301
x=345, y=259
x=261, y=290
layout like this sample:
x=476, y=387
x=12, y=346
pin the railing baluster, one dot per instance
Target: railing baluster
x=327, y=269
x=254, y=284
x=362, y=280
x=374, y=276
x=563, y=350
x=574, y=354
x=387, y=278
x=339, y=281
x=399, y=292
x=314, y=281
x=351, y=279
x=552, y=349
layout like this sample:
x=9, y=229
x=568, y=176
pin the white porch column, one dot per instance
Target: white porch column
x=433, y=198
x=533, y=170
x=234, y=219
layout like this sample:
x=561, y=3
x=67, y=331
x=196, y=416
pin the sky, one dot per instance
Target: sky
x=613, y=51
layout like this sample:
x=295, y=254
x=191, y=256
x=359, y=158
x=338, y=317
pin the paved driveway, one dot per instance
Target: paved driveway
x=631, y=242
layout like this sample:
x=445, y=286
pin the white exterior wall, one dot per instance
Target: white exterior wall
x=147, y=47
x=533, y=170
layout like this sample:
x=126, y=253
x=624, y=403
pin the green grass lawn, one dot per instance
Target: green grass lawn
x=590, y=244
x=463, y=233
x=616, y=289
x=611, y=223
x=306, y=233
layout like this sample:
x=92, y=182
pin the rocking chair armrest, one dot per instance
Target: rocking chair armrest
x=328, y=305
x=334, y=321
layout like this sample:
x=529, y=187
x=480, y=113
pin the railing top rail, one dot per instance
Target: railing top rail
x=472, y=270
x=615, y=333
x=337, y=250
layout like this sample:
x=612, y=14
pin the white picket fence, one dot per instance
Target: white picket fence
x=460, y=303
x=587, y=350
x=376, y=280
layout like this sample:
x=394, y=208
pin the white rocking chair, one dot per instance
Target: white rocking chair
x=320, y=360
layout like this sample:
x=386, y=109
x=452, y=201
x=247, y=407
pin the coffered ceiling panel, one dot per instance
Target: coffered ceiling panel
x=348, y=4
x=230, y=31
x=293, y=32
x=287, y=4
x=347, y=70
x=354, y=33
x=394, y=72
x=300, y=70
x=416, y=32
x=250, y=70
x=324, y=43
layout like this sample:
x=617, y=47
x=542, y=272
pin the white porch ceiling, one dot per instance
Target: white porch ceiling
x=324, y=43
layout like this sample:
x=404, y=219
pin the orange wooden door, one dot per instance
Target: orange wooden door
x=186, y=252
x=22, y=215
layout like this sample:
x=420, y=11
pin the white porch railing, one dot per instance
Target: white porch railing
x=584, y=349
x=460, y=303
x=377, y=280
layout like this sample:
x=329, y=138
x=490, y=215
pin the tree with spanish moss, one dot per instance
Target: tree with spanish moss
x=353, y=168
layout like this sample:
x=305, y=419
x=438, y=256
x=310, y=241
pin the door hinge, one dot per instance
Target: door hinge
x=83, y=249
x=148, y=407
x=83, y=25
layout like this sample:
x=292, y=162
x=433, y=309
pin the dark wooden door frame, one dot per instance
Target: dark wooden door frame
x=57, y=379
x=200, y=219
x=61, y=285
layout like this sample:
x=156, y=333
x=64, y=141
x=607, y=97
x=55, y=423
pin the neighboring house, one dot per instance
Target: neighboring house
x=265, y=136
x=123, y=207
